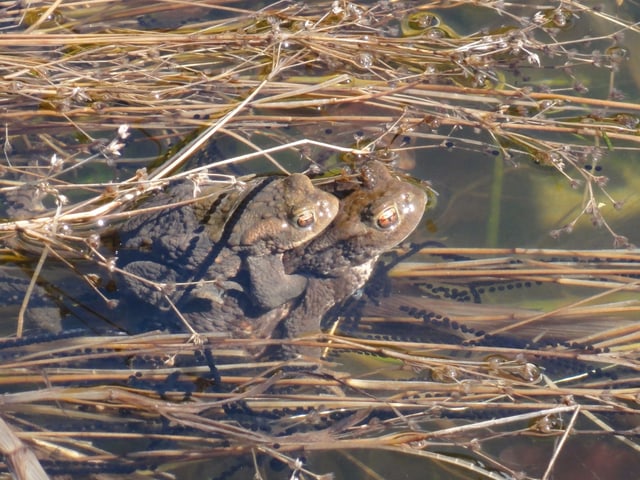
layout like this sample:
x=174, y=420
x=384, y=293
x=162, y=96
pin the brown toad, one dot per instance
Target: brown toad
x=373, y=218
x=376, y=214
x=234, y=239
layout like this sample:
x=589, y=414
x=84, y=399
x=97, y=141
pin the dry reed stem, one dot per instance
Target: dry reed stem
x=379, y=87
x=478, y=395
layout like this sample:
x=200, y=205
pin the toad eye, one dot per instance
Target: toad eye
x=304, y=218
x=388, y=218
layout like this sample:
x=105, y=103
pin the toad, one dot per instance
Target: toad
x=376, y=214
x=373, y=218
x=222, y=241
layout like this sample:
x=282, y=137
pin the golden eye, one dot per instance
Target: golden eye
x=305, y=218
x=388, y=218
